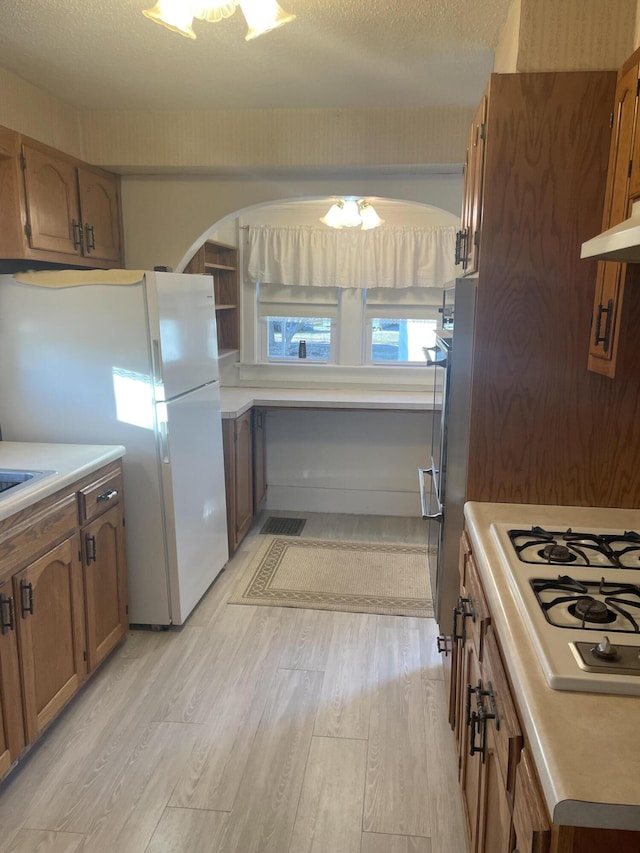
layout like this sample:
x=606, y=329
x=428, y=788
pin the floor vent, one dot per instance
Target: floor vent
x=281, y=526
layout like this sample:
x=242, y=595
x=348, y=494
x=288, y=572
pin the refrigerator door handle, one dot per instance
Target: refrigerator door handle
x=156, y=362
x=163, y=430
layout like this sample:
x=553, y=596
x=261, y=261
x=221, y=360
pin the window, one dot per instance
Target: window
x=298, y=323
x=391, y=340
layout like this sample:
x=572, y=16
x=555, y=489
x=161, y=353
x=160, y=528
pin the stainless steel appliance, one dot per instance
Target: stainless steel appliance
x=108, y=362
x=578, y=592
x=443, y=484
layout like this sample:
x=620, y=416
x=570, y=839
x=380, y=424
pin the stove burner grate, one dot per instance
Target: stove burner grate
x=611, y=550
x=589, y=604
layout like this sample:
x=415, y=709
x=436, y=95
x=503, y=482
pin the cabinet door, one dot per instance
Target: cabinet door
x=52, y=202
x=50, y=618
x=470, y=764
x=243, y=475
x=476, y=177
x=607, y=307
x=259, y=459
x=105, y=581
x=11, y=723
x=495, y=834
x=530, y=821
x=100, y=208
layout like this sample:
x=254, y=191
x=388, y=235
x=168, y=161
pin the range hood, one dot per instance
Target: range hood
x=620, y=243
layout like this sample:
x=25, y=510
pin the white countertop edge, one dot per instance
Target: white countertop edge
x=70, y=462
x=237, y=400
x=536, y=700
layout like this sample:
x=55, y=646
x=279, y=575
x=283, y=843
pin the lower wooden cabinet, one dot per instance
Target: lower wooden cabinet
x=63, y=605
x=105, y=584
x=50, y=619
x=244, y=442
x=11, y=720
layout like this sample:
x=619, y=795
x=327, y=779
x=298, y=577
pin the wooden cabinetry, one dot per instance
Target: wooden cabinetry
x=104, y=565
x=468, y=238
x=488, y=731
x=62, y=602
x=11, y=720
x=244, y=443
x=541, y=427
x=621, y=181
x=221, y=261
x=56, y=208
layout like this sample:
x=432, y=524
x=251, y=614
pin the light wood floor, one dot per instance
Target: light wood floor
x=252, y=730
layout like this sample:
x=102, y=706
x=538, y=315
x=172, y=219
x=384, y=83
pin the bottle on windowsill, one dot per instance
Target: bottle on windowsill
x=302, y=349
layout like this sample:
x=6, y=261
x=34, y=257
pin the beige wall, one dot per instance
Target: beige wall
x=506, y=51
x=32, y=111
x=167, y=218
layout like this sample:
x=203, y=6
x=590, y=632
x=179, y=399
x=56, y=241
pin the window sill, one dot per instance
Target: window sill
x=382, y=377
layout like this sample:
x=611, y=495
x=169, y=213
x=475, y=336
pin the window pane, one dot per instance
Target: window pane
x=284, y=335
x=401, y=340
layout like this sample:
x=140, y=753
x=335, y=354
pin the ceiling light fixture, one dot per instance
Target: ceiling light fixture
x=352, y=213
x=177, y=15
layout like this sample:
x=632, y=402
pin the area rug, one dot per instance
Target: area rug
x=322, y=574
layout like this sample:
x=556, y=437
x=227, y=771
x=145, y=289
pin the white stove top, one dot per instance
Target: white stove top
x=562, y=639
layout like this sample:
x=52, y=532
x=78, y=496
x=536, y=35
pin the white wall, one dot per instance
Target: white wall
x=353, y=462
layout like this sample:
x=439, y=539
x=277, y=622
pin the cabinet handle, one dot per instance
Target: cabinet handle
x=8, y=622
x=462, y=611
x=109, y=495
x=477, y=720
x=604, y=339
x=458, y=255
x=90, y=548
x=26, y=606
x=77, y=234
x=444, y=644
x=90, y=237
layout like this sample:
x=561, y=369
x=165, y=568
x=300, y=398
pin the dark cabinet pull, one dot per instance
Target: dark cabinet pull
x=90, y=548
x=462, y=248
x=458, y=255
x=90, y=238
x=477, y=720
x=604, y=339
x=26, y=605
x=465, y=610
x=109, y=495
x=444, y=644
x=77, y=234
x=7, y=613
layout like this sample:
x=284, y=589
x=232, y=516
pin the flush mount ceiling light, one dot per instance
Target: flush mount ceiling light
x=177, y=15
x=352, y=213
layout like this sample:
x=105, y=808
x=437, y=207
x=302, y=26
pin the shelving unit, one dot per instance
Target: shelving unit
x=220, y=261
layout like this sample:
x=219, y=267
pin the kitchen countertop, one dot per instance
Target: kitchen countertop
x=585, y=745
x=236, y=401
x=70, y=462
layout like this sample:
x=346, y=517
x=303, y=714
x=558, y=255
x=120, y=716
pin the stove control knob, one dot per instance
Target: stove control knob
x=605, y=650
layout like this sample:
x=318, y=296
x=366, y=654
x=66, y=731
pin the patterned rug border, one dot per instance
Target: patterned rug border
x=254, y=587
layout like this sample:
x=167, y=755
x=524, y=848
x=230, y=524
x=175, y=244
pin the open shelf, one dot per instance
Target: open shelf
x=220, y=261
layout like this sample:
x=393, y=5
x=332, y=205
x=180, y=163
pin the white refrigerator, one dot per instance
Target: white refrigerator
x=132, y=364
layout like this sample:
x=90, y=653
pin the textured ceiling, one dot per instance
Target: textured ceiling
x=104, y=54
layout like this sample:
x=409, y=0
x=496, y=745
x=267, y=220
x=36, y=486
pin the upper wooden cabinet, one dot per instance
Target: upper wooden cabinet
x=56, y=209
x=623, y=182
x=468, y=238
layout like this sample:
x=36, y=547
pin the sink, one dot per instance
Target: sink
x=16, y=478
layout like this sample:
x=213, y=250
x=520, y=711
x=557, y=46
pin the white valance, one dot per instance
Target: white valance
x=322, y=257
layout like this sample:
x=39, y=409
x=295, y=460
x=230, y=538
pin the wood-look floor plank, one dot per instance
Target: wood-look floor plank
x=330, y=809
x=442, y=790
x=43, y=841
x=377, y=843
x=309, y=640
x=192, y=830
x=264, y=812
x=430, y=656
x=75, y=785
x=127, y=812
x=395, y=797
x=212, y=776
x=345, y=703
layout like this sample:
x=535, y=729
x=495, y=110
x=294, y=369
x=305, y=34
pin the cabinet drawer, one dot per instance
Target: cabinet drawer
x=31, y=532
x=478, y=604
x=100, y=495
x=530, y=822
x=507, y=732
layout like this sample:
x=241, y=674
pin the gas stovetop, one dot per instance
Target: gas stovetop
x=579, y=594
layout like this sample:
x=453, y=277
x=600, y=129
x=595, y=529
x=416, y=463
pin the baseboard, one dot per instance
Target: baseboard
x=360, y=502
